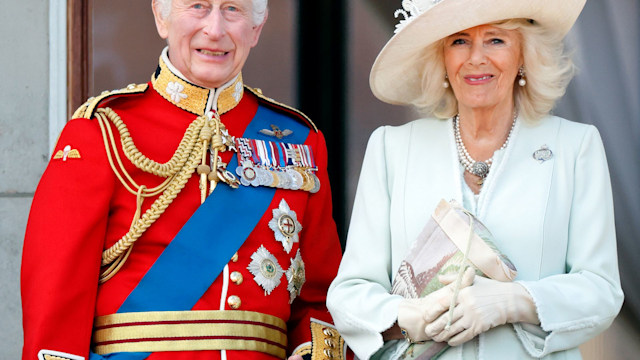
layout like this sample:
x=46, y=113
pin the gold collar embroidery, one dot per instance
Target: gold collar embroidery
x=193, y=98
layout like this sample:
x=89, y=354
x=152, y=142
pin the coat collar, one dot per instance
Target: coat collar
x=173, y=86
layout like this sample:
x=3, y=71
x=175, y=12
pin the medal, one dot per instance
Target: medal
x=265, y=269
x=285, y=225
x=296, y=179
x=295, y=276
x=276, y=164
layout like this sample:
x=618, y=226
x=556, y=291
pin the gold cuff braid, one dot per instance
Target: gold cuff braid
x=326, y=342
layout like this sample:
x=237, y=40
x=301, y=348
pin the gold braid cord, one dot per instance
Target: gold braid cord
x=189, y=156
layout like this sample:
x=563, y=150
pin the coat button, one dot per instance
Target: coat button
x=236, y=277
x=234, y=302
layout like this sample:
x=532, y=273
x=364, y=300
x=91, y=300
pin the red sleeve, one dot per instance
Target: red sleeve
x=63, y=244
x=321, y=253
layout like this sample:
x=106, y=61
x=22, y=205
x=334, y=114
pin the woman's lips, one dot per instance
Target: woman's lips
x=478, y=79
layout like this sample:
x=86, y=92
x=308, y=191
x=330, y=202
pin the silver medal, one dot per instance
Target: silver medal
x=284, y=181
x=316, y=185
x=296, y=179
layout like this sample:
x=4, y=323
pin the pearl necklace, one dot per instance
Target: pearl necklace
x=477, y=168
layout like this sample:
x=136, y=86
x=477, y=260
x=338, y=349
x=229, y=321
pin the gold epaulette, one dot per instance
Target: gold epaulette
x=86, y=110
x=286, y=108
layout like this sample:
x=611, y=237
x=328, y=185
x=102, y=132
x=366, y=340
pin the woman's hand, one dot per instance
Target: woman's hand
x=295, y=357
x=484, y=305
x=415, y=314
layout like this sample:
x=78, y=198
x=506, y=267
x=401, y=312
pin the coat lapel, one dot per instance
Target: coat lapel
x=432, y=172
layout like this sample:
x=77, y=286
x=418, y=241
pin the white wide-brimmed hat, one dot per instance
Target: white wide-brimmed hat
x=396, y=74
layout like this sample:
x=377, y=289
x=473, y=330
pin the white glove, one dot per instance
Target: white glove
x=484, y=305
x=415, y=314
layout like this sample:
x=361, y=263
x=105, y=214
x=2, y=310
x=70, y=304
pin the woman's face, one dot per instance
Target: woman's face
x=482, y=63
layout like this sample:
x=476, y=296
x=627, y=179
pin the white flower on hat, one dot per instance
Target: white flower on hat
x=411, y=9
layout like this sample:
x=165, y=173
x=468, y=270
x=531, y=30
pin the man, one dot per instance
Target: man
x=187, y=218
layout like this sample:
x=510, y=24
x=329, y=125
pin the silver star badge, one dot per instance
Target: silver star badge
x=285, y=225
x=265, y=269
x=295, y=277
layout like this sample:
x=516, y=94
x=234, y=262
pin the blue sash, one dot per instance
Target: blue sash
x=205, y=244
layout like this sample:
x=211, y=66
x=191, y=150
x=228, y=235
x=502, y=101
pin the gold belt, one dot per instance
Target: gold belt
x=190, y=331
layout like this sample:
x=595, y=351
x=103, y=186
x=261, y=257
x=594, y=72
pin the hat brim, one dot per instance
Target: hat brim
x=396, y=74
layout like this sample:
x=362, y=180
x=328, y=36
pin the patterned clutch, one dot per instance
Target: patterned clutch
x=451, y=240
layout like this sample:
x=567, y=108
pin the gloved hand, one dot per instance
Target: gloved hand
x=484, y=305
x=415, y=314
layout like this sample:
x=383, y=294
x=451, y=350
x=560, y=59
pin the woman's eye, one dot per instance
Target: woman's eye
x=497, y=41
x=458, y=42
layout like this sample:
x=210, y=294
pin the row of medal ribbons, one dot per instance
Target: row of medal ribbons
x=276, y=164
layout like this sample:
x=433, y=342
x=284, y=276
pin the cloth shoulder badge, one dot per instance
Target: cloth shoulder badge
x=67, y=153
x=285, y=225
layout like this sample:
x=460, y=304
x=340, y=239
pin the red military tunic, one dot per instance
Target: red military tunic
x=81, y=209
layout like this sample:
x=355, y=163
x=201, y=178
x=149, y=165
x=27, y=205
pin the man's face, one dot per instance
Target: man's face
x=209, y=40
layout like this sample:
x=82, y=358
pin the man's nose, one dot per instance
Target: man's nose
x=215, y=24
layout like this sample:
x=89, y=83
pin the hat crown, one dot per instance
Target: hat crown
x=411, y=9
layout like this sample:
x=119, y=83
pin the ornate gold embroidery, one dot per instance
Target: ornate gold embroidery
x=87, y=109
x=191, y=97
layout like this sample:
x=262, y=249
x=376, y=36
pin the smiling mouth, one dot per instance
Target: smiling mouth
x=474, y=79
x=212, y=53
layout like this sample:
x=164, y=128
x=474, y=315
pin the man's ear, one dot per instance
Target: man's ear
x=161, y=23
x=257, y=30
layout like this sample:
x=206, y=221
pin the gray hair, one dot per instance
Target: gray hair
x=548, y=70
x=258, y=13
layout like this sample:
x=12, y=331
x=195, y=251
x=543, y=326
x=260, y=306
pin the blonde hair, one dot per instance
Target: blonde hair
x=547, y=67
x=258, y=13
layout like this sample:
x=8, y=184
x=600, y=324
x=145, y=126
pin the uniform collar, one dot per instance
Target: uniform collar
x=173, y=86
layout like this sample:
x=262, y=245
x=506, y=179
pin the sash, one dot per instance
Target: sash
x=205, y=244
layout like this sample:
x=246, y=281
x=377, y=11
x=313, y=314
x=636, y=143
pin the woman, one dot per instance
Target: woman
x=489, y=72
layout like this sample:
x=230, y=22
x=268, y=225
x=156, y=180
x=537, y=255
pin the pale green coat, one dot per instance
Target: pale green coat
x=553, y=219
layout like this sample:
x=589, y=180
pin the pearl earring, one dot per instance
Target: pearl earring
x=522, y=81
x=445, y=83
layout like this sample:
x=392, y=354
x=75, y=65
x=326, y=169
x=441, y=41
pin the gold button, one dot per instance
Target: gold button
x=234, y=258
x=234, y=302
x=236, y=277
